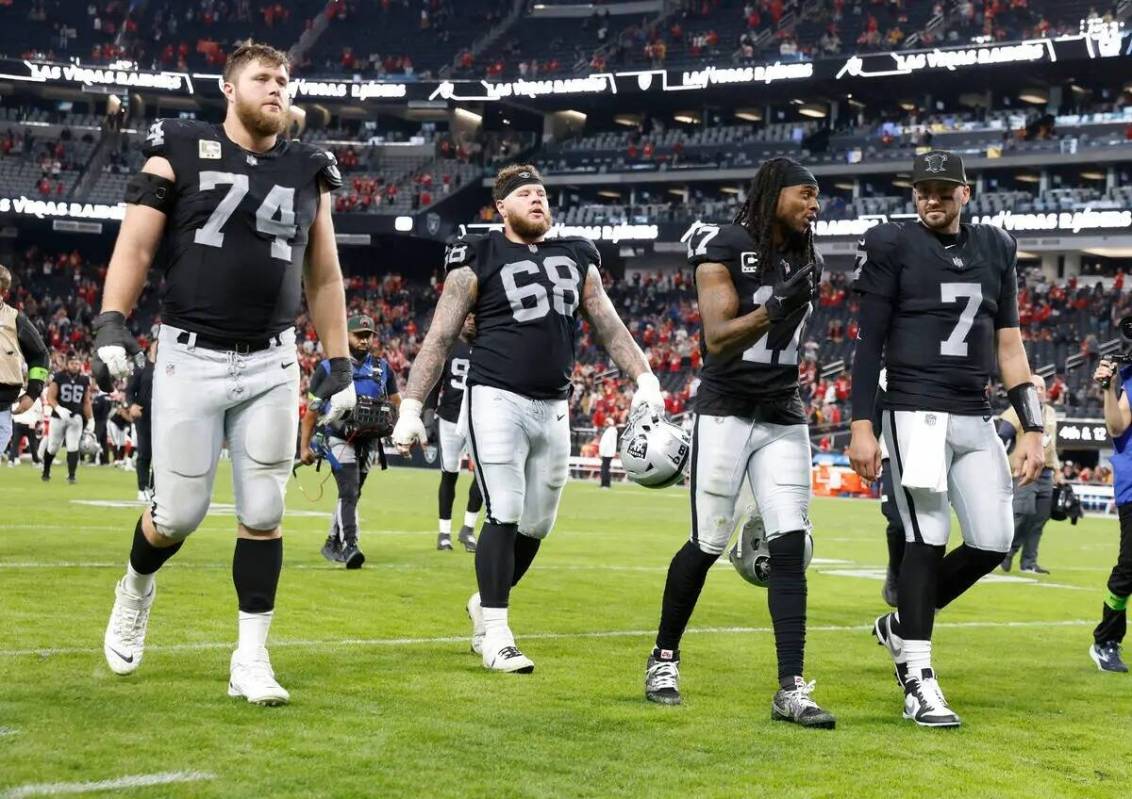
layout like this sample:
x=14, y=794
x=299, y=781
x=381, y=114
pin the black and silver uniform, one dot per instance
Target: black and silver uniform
x=454, y=382
x=236, y=238
x=762, y=381
x=72, y=390
x=947, y=303
x=526, y=310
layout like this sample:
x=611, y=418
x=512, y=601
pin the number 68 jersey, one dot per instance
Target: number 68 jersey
x=762, y=381
x=526, y=310
x=236, y=237
x=947, y=302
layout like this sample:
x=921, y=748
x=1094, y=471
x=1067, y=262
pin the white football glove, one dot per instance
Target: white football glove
x=339, y=405
x=410, y=427
x=117, y=361
x=648, y=393
x=89, y=426
x=62, y=413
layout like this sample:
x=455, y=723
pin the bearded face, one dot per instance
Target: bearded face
x=527, y=212
x=260, y=100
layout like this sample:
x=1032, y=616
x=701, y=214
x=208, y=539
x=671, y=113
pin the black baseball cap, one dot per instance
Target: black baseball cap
x=939, y=165
x=359, y=323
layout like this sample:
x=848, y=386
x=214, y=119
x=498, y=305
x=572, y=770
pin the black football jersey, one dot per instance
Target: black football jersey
x=454, y=382
x=237, y=235
x=72, y=390
x=762, y=381
x=947, y=303
x=526, y=310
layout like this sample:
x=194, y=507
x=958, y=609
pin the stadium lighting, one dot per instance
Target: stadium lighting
x=687, y=117
x=628, y=120
x=814, y=110
x=1026, y=177
x=1092, y=174
x=614, y=195
x=1034, y=96
x=403, y=224
x=730, y=189
x=749, y=114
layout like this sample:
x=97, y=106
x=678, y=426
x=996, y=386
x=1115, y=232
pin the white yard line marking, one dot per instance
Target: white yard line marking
x=455, y=639
x=6, y=731
x=121, y=783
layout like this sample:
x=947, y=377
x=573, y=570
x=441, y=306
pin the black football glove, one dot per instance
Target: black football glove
x=341, y=375
x=791, y=294
x=116, y=351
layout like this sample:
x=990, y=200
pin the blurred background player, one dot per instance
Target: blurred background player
x=70, y=408
x=449, y=398
x=1033, y=502
x=21, y=347
x=119, y=430
x=139, y=396
x=1109, y=633
x=351, y=445
x=26, y=427
x=607, y=449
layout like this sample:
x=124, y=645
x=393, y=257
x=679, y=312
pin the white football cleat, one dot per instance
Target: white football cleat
x=475, y=613
x=124, y=641
x=501, y=654
x=254, y=679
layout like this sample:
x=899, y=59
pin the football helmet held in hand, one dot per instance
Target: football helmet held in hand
x=654, y=451
x=751, y=554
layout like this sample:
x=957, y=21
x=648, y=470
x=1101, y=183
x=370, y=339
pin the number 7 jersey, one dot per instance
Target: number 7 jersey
x=947, y=303
x=236, y=237
x=526, y=310
x=762, y=381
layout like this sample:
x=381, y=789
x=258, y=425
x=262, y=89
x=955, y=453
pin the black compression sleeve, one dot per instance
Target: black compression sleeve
x=31, y=346
x=873, y=321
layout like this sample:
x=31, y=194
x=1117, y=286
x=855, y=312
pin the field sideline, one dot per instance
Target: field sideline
x=387, y=701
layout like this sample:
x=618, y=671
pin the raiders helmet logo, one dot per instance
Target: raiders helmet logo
x=934, y=163
x=638, y=447
x=958, y=262
x=524, y=175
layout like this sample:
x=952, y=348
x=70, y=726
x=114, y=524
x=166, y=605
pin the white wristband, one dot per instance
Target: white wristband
x=410, y=407
x=647, y=381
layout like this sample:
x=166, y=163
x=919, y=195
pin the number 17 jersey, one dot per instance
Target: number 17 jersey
x=762, y=381
x=526, y=310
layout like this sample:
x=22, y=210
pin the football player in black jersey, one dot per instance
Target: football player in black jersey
x=448, y=397
x=242, y=215
x=527, y=293
x=755, y=280
x=939, y=298
x=69, y=404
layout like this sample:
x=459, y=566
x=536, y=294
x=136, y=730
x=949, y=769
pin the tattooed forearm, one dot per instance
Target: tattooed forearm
x=609, y=329
x=458, y=299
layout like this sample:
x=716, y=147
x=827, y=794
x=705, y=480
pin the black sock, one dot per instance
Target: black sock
x=686, y=576
x=919, y=578
x=119, y=453
x=145, y=558
x=526, y=548
x=786, y=596
x=962, y=568
x=47, y=458
x=72, y=463
x=895, y=537
x=475, y=497
x=256, y=564
x=446, y=495
x=1114, y=624
x=495, y=563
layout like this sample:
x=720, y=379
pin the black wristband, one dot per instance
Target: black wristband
x=1024, y=400
x=34, y=389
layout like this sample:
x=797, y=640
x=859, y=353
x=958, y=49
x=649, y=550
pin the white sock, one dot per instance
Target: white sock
x=495, y=622
x=470, y=519
x=253, y=629
x=138, y=584
x=918, y=656
x=446, y=527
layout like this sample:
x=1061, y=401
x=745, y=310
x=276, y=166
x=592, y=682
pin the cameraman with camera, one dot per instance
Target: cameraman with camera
x=1115, y=377
x=351, y=444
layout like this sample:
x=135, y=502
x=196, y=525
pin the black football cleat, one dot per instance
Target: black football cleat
x=467, y=537
x=352, y=556
x=444, y=542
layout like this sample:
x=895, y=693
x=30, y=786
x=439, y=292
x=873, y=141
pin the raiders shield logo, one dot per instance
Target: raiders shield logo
x=638, y=447
x=934, y=163
x=958, y=262
x=432, y=223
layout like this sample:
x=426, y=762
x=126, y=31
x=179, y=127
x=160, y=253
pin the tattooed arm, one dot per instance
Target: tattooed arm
x=609, y=330
x=457, y=300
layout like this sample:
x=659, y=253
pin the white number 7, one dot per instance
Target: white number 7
x=280, y=200
x=956, y=344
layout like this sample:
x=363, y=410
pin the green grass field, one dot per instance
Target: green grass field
x=387, y=701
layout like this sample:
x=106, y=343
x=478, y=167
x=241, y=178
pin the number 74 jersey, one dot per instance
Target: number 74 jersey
x=947, y=299
x=237, y=234
x=762, y=381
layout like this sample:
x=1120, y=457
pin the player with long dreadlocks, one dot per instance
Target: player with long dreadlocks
x=755, y=281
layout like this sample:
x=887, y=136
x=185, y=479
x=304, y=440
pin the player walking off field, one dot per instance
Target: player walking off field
x=243, y=215
x=527, y=293
x=939, y=300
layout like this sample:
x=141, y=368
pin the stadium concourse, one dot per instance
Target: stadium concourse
x=647, y=120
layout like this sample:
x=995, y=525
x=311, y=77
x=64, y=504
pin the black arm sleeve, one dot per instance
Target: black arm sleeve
x=35, y=354
x=317, y=377
x=133, y=388
x=873, y=322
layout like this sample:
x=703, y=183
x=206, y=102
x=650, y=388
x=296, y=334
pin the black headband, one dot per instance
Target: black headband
x=524, y=178
x=798, y=175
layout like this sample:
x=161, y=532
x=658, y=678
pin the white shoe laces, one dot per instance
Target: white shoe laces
x=258, y=668
x=129, y=623
x=800, y=695
x=663, y=674
x=931, y=694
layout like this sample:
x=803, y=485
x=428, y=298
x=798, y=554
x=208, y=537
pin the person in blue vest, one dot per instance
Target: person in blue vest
x=353, y=444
